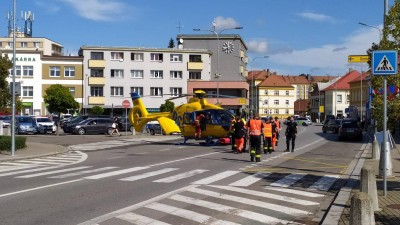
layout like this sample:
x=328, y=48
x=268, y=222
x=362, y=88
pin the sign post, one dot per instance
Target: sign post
x=126, y=104
x=384, y=63
x=359, y=59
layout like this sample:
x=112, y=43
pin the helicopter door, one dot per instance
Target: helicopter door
x=188, y=123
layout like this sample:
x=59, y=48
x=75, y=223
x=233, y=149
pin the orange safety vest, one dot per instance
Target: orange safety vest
x=267, y=130
x=278, y=124
x=255, y=127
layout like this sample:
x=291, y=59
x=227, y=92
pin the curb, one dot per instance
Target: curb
x=53, y=153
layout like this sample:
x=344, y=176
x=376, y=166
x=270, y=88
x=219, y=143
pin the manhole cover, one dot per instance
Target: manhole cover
x=394, y=206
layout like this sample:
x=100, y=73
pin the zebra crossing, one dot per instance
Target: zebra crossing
x=43, y=163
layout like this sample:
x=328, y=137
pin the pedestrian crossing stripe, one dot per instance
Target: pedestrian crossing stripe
x=384, y=63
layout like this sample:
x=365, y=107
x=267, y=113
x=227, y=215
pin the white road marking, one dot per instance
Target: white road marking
x=117, y=157
x=187, y=214
x=83, y=172
x=249, y=180
x=51, y=160
x=180, y=176
x=141, y=153
x=163, y=150
x=324, y=183
x=216, y=177
x=29, y=170
x=287, y=180
x=139, y=219
x=40, y=162
x=115, y=173
x=148, y=174
x=53, y=172
x=297, y=192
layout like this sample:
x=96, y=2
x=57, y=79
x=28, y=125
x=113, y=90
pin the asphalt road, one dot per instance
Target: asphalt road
x=144, y=180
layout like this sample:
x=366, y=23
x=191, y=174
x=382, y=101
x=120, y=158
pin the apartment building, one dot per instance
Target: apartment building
x=112, y=73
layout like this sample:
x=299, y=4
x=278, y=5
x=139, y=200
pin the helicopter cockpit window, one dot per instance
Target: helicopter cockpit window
x=188, y=118
x=223, y=117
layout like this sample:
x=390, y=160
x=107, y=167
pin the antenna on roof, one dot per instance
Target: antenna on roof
x=179, y=27
x=28, y=17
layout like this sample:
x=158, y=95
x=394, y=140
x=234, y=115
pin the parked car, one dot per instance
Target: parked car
x=350, y=130
x=329, y=117
x=92, y=126
x=332, y=125
x=154, y=129
x=45, y=125
x=303, y=121
x=6, y=121
x=126, y=124
x=69, y=125
x=25, y=125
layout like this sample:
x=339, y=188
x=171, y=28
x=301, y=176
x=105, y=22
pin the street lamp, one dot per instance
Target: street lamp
x=217, y=75
x=13, y=79
x=380, y=31
x=252, y=82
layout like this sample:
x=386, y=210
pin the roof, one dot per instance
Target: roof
x=300, y=79
x=343, y=82
x=364, y=77
x=275, y=81
x=296, y=79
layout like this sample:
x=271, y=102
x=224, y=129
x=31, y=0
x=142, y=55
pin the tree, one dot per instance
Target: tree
x=97, y=110
x=59, y=100
x=5, y=96
x=167, y=107
x=171, y=43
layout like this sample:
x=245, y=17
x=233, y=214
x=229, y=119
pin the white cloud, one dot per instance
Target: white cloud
x=316, y=17
x=257, y=46
x=225, y=23
x=50, y=7
x=99, y=10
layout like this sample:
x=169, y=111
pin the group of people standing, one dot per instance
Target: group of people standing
x=258, y=132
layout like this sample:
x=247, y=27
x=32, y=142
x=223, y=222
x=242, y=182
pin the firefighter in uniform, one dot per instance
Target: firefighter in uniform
x=278, y=127
x=255, y=127
x=231, y=132
x=246, y=136
x=267, y=136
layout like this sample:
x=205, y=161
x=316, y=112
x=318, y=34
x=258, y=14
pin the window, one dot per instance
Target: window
x=287, y=111
x=266, y=111
x=176, y=74
x=54, y=71
x=339, y=98
x=176, y=57
x=195, y=58
x=117, y=56
x=117, y=91
x=138, y=90
x=69, y=71
x=10, y=44
x=96, y=73
x=276, y=102
x=156, y=91
x=96, y=91
x=176, y=91
x=27, y=91
x=18, y=71
x=266, y=92
x=287, y=92
x=276, y=92
x=27, y=71
x=156, y=57
x=97, y=55
x=24, y=44
x=36, y=44
x=117, y=73
x=276, y=111
x=136, y=73
x=347, y=98
x=72, y=91
x=287, y=102
x=195, y=75
x=265, y=102
x=156, y=74
x=137, y=56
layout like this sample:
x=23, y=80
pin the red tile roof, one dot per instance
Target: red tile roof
x=364, y=76
x=275, y=81
x=343, y=82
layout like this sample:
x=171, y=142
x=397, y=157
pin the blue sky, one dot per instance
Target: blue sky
x=299, y=36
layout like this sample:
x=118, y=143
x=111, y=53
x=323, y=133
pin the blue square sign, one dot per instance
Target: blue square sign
x=384, y=63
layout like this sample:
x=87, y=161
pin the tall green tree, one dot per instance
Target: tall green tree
x=171, y=43
x=59, y=100
x=97, y=110
x=390, y=41
x=5, y=96
x=168, y=106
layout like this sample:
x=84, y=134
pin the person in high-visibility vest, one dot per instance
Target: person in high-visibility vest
x=267, y=136
x=239, y=134
x=231, y=132
x=246, y=137
x=278, y=127
x=255, y=127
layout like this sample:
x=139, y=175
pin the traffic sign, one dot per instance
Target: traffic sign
x=384, y=63
x=126, y=104
x=358, y=58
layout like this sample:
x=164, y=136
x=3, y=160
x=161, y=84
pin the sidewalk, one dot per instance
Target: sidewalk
x=389, y=205
x=33, y=150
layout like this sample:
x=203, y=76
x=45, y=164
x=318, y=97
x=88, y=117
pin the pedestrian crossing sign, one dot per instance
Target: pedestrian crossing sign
x=384, y=63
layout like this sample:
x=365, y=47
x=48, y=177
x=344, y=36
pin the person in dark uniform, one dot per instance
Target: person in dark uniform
x=291, y=133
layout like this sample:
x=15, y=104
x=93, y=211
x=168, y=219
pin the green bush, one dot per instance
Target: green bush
x=5, y=143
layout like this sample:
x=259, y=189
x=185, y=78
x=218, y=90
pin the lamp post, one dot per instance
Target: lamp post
x=217, y=75
x=13, y=79
x=252, y=82
x=380, y=31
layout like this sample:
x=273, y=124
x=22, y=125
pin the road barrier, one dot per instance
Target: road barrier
x=368, y=185
x=390, y=144
x=361, y=212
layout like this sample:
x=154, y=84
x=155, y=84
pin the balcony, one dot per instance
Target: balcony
x=97, y=63
x=195, y=65
x=97, y=80
x=97, y=100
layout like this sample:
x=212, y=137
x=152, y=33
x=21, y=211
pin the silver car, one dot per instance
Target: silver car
x=303, y=121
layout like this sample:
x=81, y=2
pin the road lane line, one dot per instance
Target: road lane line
x=148, y=174
x=139, y=219
x=296, y=192
x=187, y=214
x=53, y=172
x=324, y=183
x=249, y=180
x=180, y=176
x=29, y=170
x=115, y=173
x=84, y=172
x=216, y=177
x=50, y=160
x=287, y=180
x=38, y=188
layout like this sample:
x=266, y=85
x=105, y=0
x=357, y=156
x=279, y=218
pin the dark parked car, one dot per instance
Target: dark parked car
x=69, y=125
x=332, y=125
x=329, y=117
x=25, y=125
x=350, y=130
x=154, y=129
x=92, y=126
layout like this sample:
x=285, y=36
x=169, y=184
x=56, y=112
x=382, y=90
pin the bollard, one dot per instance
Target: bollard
x=389, y=170
x=360, y=210
x=368, y=185
x=1, y=127
x=376, y=151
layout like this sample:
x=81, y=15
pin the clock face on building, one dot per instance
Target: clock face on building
x=228, y=47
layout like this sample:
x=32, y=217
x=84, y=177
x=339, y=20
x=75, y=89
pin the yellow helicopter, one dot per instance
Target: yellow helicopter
x=182, y=118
